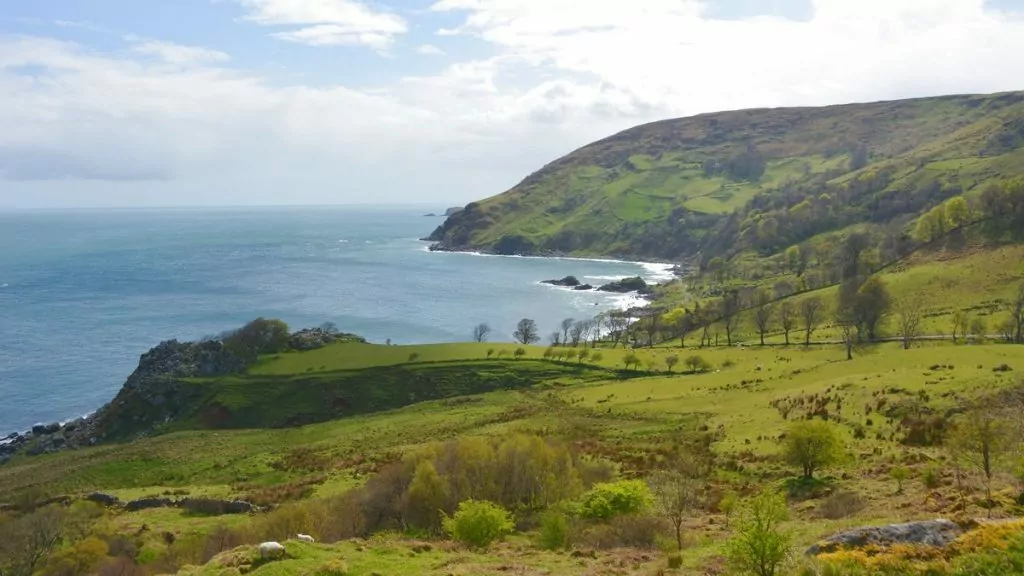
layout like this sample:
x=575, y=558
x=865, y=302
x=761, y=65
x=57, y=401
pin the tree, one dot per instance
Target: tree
x=900, y=475
x=556, y=338
x=811, y=310
x=910, y=321
x=631, y=359
x=957, y=211
x=678, y=497
x=979, y=327
x=697, y=364
x=577, y=332
x=425, y=498
x=27, y=540
x=872, y=304
x=811, y=446
x=261, y=336
x=730, y=314
x=982, y=438
x=760, y=547
x=727, y=505
x=596, y=357
x=481, y=331
x=763, y=313
x=671, y=360
x=850, y=253
x=1017, y=315
x=960, y=324
x=582, y=355
x=526, y=332
x=566, y=326
x=787, y=318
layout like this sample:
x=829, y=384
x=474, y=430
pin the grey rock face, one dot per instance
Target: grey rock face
x=931, y=533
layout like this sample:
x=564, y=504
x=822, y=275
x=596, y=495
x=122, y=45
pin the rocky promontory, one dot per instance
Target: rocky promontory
x=156, y=392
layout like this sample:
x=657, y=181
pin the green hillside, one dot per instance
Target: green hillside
x=717, y=184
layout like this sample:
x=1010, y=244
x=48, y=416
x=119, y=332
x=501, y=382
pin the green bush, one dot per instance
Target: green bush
x=554, y=530
x=675, y=561
x=760, y=547
x=610, y=499
x=697, y=364
x=932, y=477
x=478, y=523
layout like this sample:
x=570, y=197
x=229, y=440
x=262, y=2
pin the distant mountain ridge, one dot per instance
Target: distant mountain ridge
x=762, y=179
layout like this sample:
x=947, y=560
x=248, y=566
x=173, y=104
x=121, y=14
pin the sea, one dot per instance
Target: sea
x=84, y=293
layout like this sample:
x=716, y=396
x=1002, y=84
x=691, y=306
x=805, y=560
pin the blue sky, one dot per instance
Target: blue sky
x=230, y=102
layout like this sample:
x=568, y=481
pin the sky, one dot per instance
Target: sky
x=136, y=103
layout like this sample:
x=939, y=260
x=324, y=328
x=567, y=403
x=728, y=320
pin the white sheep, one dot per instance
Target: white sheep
x=305, y=538
x=271, y=550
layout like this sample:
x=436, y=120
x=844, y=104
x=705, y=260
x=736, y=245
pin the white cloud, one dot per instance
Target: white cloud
x=327, y=22
x=429, y=50
x=176, y=53
x=559, y=74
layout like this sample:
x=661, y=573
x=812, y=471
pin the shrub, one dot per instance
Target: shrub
x=478, y=523
x=697, y=364
x=900, y=475
x=332, y=568
x=520, y=352
x=675, y=561
x=414, y=356
x=607, y=500
x=554, y=530
x=760, y=547
x=596, y=357
x=841, y=505
x=490, y=352
x=932, y=478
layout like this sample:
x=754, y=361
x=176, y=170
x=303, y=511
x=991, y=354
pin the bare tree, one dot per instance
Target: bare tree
x=960, y=324
x=848, y=328
x=679, y=496
x=730, y=314
x=595, y=328
x=555, y=338
x=1017, y=315
x=526, y=332
x=481, y=331
x=787, y=318
x=811, y=311
x=26, y=541
x=983, y=438
x=910, y=321
x=617, y=324
x=566, y=326
x=763, y=313
x=576, y=333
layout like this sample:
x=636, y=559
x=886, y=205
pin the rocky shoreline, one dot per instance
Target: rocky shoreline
x=149, y=397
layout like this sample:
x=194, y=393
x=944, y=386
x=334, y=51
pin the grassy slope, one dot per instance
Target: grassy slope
x=618, y=419
x=604, y=198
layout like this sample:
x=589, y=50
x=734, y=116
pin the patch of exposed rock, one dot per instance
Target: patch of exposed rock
x=937, y=533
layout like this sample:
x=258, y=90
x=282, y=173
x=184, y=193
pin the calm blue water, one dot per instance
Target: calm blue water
x=83, y=294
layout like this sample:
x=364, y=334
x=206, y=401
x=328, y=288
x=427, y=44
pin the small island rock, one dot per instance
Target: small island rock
x=568, y=281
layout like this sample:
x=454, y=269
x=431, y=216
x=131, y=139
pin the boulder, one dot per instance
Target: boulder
x=937, y=533
x=583, y=287
x=568, y=281
x=39, y=430
x=634, y=284
x=103, y=499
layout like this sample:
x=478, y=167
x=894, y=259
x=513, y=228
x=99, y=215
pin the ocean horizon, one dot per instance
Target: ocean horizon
x=85, y=291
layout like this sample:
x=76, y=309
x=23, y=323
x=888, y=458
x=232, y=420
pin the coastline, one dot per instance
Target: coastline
x=651, y=271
